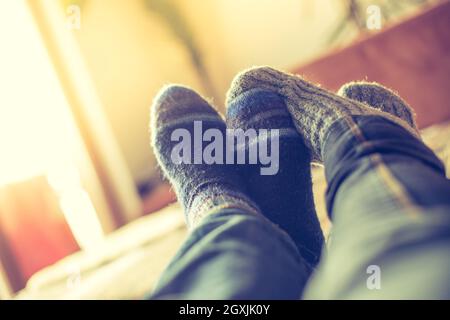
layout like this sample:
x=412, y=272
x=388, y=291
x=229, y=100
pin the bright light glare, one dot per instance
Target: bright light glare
x=33, y=133
x=36, y=132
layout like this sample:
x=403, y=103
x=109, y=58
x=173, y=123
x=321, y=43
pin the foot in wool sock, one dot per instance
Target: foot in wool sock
x=286, y=197
x=379, y=97
x=176, y=115
x=312, y=108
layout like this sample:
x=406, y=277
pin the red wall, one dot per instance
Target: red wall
x=33, y=230
x=413, y=58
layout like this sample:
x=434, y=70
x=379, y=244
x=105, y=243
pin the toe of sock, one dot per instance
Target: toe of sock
x=173, y=102
x=379, y=97
x=176, y=96
x=256, y=77
x=352, y=90
x=368, y=92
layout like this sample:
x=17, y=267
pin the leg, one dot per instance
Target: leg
x=235, y=255
x=390, y=204
x=233, y=251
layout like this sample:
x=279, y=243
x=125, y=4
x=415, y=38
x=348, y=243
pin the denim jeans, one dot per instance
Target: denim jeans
x=389, y=201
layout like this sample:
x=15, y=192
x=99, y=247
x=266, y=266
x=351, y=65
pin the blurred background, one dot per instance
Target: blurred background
x=83, y=206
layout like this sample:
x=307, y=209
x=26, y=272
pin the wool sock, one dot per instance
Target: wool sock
x=285, y=198
x=312, y=108
x=201, y=188
x=379, y=97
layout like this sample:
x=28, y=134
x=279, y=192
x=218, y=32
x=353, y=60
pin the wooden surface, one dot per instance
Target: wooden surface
x=413, y=58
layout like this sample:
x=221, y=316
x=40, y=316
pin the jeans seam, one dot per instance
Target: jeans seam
x=396, y=190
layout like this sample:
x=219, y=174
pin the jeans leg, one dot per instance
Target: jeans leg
x=389, y=201
x=235, y=255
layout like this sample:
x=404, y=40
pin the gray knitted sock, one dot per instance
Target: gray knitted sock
x=312, y=108
x=379, y=97
x=201, y=188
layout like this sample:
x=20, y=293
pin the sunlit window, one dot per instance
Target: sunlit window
x=37, y=134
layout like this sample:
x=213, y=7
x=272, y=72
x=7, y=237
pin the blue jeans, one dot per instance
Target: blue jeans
x=389, y=202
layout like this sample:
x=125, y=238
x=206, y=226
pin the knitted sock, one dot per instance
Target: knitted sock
x=286, y=197
x=379, y=97
x=201, y=188
x=312, y=108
